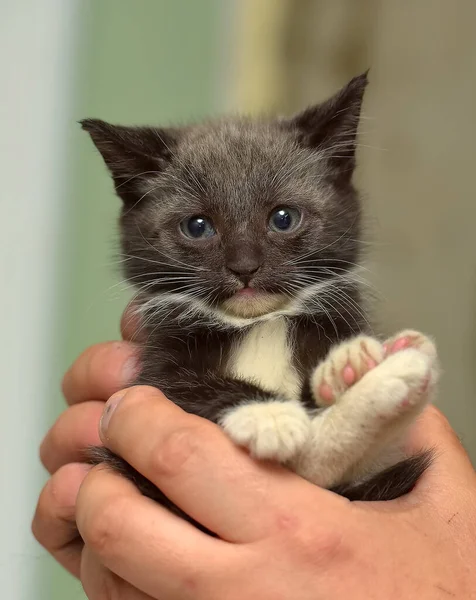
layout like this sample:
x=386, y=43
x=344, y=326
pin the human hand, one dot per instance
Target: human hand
x=99, y=372
x=280, y=536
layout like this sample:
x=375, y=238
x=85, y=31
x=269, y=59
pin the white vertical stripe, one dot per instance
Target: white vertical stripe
x=36, y=53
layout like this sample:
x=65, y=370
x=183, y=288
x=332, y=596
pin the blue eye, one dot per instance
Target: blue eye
x=197, y=228
x=284, y=219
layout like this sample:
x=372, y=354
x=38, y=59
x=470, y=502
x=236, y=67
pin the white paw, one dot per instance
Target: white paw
x=344, y=366
x=402, y=382
x=409, y=338
x=270, y=430
x=368, y=421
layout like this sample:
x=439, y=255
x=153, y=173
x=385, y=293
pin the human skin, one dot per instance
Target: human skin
x=279, y=536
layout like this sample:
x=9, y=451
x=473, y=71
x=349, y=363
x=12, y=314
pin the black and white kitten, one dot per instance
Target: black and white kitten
x=242, y=238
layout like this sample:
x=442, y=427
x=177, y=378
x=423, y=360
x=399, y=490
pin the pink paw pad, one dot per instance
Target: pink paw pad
x=398, y=344
x=348, y=375
x=326, y=393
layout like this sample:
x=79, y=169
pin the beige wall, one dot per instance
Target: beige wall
x=422, y=190
x=417, y=162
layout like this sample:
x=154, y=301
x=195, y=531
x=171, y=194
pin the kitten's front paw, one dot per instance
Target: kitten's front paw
x=270, y=430
x=411, y=374
x=409, y=338
x=345, y=364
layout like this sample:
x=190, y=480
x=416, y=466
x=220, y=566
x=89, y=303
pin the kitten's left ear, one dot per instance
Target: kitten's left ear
x=331, y=127
x=132, y=154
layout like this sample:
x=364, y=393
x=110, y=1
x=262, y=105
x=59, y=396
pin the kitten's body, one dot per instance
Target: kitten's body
x=231, y=364
x=235, y=320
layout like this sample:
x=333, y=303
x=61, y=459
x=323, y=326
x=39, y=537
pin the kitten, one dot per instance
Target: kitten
x=242, y=238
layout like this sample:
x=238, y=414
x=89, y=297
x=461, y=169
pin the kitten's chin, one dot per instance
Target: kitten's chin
x=254, y=305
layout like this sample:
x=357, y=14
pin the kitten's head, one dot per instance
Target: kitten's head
x=242, y=217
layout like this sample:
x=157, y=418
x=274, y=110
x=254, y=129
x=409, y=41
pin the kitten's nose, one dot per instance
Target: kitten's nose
x=243, y=258
x=244, y=267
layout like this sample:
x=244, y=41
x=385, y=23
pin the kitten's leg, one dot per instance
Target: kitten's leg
x=409, y=338
x=276, y=430
x=349, y=361
x=374, y=412
x=269, y=427
x=344, y=366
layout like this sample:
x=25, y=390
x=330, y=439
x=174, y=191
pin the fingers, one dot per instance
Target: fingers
x=100, y=371
x=194, y=463
x=75, y=430
x=54, y=524
x=100, y=583
x=143, y=543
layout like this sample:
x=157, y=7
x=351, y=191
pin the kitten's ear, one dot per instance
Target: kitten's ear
x=132, y=154
x=331, y=127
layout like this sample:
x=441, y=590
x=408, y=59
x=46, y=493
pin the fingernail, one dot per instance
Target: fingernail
x=107, y=413
x=130, y=370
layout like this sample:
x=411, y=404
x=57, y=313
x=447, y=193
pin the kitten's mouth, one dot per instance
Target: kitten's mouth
x=251, y=302
x=246, y=292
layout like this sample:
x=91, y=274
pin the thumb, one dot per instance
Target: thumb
x=432, y=431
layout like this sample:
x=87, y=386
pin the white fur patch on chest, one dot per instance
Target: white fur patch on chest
x=264, y=357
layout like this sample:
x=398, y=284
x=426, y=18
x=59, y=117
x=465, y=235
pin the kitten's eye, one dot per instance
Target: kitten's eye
x=197, y=228
x=284, y=219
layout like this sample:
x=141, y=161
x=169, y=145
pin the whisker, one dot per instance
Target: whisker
x=135, y=176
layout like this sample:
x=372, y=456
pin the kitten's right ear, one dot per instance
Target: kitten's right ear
x=132, y=154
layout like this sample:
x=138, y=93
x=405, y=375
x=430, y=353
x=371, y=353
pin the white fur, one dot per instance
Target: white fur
x=354, y=353
x=368, y=421
x=201, y=311
x=249, y=307
x=276, y=429
x=360, y=433
x=270, y=430
x=263, y=356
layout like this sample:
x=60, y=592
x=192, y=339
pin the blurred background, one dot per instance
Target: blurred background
x=163, y=61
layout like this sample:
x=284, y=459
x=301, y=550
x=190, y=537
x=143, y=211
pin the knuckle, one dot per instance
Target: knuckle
x=103, y=527
x=63, y=487
x=318, y=545
x=174, y=453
